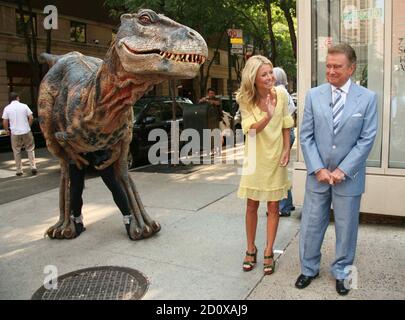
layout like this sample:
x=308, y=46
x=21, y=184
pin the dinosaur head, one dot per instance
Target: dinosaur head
x=150, y=43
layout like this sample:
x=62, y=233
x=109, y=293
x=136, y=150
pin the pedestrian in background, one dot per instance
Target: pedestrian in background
x=337, y=134
x=17, y=121
x=266, y=119
x=286, y=205
x=210, y=99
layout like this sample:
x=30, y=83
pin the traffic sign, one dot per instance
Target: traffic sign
x=236, y=40
x=235, y=33
x=236, y=50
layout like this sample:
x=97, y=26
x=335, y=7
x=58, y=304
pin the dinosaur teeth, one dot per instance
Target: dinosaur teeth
x=193, y=58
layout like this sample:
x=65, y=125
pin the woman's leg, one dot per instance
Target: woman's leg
x=272, y=225
x=251, y=226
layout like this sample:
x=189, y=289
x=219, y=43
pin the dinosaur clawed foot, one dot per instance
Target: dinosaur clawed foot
x=135, y=232
x=155, y=226
x=147, y=231
x=69, y=231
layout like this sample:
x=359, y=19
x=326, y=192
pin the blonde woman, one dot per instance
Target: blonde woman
x=266, y=119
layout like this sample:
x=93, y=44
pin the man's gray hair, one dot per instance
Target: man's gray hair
x=346, y=49
x=280, y=75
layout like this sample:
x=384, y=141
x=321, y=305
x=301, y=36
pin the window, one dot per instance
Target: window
x=154, y=111
x=19, y=80
x=397, y=128
x=77, y=32
x=26, y=24
x=361, y=24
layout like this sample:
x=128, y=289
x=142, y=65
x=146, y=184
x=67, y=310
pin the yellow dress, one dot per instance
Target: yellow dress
x=263, y=179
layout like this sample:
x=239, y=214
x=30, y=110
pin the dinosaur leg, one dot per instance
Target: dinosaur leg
x=148, y=221
x=51, y=232
x=64, y=228
x=138, y=229
x=141, y=219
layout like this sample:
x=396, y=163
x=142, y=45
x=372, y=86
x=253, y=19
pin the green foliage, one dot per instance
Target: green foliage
x=211, y=18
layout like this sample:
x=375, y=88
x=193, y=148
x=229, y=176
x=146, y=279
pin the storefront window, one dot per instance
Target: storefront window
x=361, y=24
x=397, y=128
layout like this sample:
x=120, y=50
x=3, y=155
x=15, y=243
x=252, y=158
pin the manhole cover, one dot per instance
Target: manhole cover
x=98, y=283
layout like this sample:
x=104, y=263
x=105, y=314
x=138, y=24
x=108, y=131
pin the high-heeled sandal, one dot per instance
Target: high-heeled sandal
x=249, y=265
x=268, y=268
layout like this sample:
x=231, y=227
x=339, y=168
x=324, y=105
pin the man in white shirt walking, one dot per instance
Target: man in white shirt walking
x=17, y=120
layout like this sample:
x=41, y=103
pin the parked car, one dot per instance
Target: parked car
x=152, y=113
x=5, y=142
x=226, y=105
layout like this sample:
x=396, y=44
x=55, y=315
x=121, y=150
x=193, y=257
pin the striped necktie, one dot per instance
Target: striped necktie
x=337, y=109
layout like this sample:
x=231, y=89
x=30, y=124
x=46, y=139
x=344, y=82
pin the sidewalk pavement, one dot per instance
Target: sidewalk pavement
x=199, y=251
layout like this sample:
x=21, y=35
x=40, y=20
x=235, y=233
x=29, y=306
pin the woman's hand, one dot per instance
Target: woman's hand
x=271, y=106
x=285, y=158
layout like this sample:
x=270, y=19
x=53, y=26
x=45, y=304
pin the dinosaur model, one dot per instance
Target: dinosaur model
x=85, y=103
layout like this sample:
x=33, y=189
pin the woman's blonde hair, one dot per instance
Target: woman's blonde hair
x=246, y=94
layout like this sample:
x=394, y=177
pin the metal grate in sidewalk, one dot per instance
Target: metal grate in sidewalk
x=98, y=283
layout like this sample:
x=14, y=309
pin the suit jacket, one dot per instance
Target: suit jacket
x=349, y=148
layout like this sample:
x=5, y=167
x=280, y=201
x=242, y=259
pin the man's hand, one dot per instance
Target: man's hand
x=338, y=176
x=324, y=176
x=5, y=126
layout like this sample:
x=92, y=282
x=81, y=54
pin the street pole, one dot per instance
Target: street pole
x=229, y=74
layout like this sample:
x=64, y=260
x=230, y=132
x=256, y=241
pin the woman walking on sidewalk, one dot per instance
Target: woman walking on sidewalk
x=266, y=123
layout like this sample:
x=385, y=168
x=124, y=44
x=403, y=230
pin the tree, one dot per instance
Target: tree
x=211, y=18
x=289, y=9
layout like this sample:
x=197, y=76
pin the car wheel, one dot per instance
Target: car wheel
x=130, y=160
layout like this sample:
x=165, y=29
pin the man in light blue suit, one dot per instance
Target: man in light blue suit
x=337, y=134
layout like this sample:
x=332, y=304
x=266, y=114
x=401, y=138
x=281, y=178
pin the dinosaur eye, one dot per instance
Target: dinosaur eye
x=145, y=19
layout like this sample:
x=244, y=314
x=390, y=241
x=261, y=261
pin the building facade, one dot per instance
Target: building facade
x=376, y=30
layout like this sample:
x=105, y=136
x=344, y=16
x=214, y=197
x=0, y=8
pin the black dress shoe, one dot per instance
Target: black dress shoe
x=303, y=281
x=341, y=288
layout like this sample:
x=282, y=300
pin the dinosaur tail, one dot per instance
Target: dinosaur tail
x=50, y=59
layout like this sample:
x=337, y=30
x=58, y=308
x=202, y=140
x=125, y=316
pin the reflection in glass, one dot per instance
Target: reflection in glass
x=361, y=24
x=397, y=128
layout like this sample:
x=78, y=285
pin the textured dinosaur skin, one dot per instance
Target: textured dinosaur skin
x=85, y=103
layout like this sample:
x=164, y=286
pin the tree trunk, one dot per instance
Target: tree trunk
x=204, y=78
x=287, y=13
x=273, y=53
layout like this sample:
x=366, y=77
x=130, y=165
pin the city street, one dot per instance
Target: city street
x=199, y=251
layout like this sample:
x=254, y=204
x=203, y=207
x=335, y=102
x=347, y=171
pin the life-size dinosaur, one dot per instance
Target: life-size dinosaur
x=85, y=103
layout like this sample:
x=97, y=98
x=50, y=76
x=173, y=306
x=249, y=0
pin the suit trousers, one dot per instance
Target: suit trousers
x=314, y=222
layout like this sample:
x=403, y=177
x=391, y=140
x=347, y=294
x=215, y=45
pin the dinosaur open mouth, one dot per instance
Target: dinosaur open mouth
x=181, y=57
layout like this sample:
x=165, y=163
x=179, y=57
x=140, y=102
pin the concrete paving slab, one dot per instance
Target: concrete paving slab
x=199, y=251
x=376, y=274
x=215, y=174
